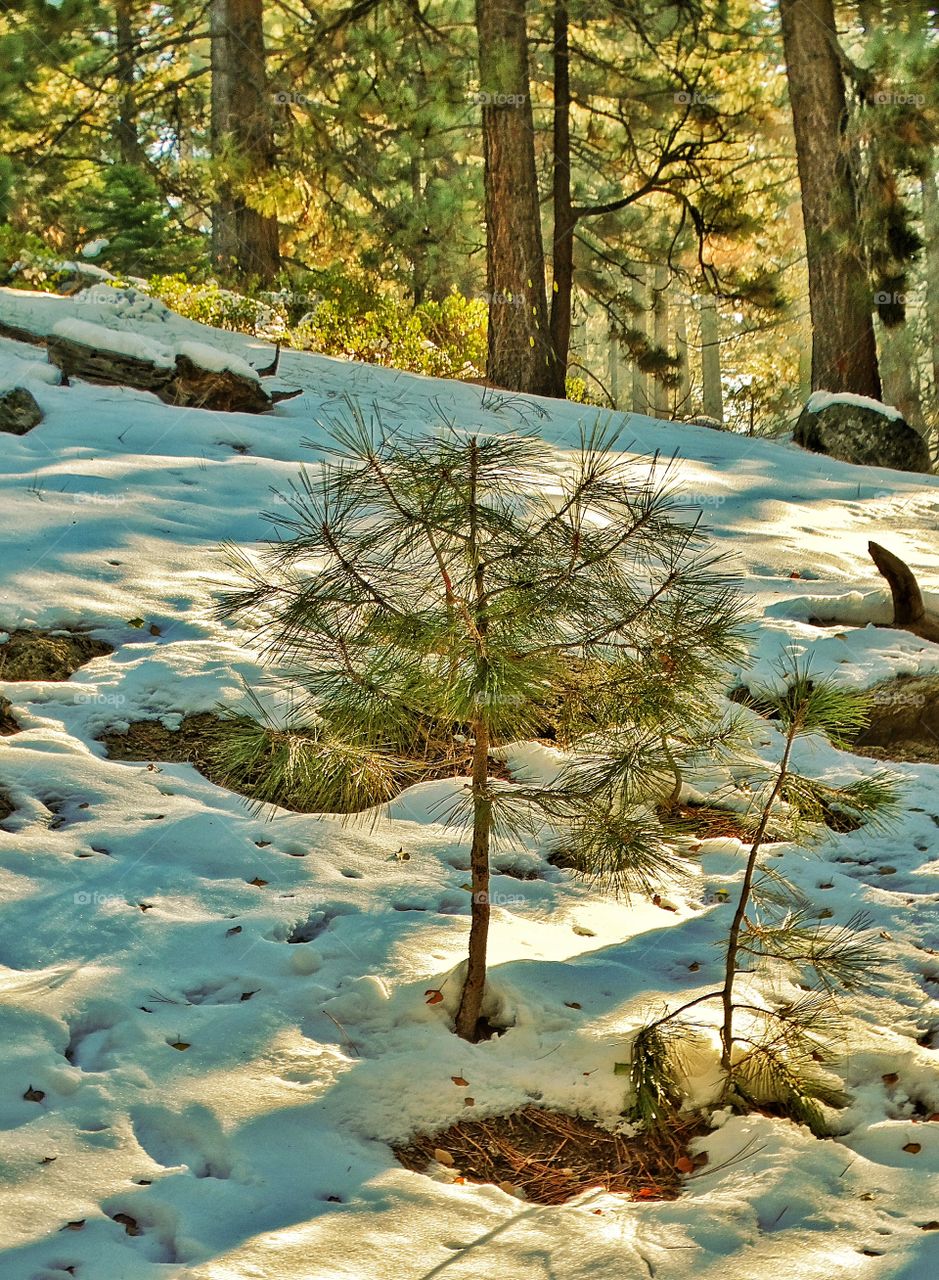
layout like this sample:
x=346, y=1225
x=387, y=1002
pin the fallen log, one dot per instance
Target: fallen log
x=909, y=611
x=177, y=379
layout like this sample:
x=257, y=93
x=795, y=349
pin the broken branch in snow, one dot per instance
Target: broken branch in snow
x=909, y=611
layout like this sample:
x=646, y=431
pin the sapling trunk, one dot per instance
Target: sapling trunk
x=474, y=986
x=730, y=966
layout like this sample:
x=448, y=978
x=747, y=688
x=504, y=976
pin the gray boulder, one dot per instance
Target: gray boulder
x=862, y=435
x=19, y=411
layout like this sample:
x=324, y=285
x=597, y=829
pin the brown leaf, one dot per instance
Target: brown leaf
x=700, y=1160
x=33, y=1095
x=128, y=1223
x=469, y=1102
x=684, y=1164
x=230, y=933
x=929, y=1226
x=444, y=1157
x=891, y=1077
x=914, y=1148
x=258, y=882
x=179, y=1044
x=433, y=996
x=693, y=967
x=74, y=1226
x=48, y=1159
x=573, y=1004
x=458, y=1080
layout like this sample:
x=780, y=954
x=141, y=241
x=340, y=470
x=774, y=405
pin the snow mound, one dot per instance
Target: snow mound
x=119, y=341
x=820, y=400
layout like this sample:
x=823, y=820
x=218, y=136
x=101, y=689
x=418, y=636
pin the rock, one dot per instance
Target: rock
x=863, y=435
x=19, y=411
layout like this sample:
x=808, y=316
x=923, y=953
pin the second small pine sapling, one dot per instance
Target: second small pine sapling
x=771, y=1049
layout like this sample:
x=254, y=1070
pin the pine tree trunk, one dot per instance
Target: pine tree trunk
x=660, y=337
x=900, y=372
x=712, y=395
x=844, y=352
x=244, y=241
x=683, y=398
x=564, y=220
x=128, y=141
x=931, y=237
x=474, y=985
x=640, y=380
x=519, y=341
x=613, y=367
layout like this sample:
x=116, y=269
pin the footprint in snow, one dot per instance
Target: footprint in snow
x=192, y=1137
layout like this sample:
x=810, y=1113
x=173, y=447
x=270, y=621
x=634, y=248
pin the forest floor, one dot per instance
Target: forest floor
x=209, y=1099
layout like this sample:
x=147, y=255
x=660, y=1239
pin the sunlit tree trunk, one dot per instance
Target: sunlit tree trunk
x=712, y=394
x=844, y=352
x=519, y=341
x=244, y=241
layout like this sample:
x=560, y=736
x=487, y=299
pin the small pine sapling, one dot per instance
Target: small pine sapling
x=770, y=1048
x=464, y=587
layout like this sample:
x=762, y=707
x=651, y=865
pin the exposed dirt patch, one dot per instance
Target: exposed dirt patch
x=48, y=655
x=8, y=722
x=201, y=740
x=6, y=805
x=904, y=721
x=196, y=742
x=550, y=1157
x=708, y=822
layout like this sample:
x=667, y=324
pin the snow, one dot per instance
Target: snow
x=820, y=400
x=121, y=343
x=129, y=922
x=216, y=361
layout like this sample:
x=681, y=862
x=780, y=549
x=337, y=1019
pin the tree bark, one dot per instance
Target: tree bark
x=683, y=397
x=712, y=394
x=520, y=356
x=564, y=219
x=640, y=380
x=931, y=237
x=660, y=336
x=244, y=241
x=474, y=985
x=844, y=351
x=126, y=135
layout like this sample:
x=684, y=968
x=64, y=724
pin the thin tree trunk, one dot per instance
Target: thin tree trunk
x=660, y=337
x=474, y=986
x=844, y=352
x=613, y=368
x=683, y=397
x=128, y=140
x=564, y=220
x=520, y=355
x=244, y=241
x=640, y=380
x=712, y=395
x=733, y=939
x=899, y=371
x=931, y=237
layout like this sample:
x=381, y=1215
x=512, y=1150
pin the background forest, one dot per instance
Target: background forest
x=316, y=172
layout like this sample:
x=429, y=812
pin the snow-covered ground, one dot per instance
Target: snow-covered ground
x=132, y=922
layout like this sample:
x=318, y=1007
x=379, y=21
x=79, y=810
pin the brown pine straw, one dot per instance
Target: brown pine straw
x=549, y=1157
